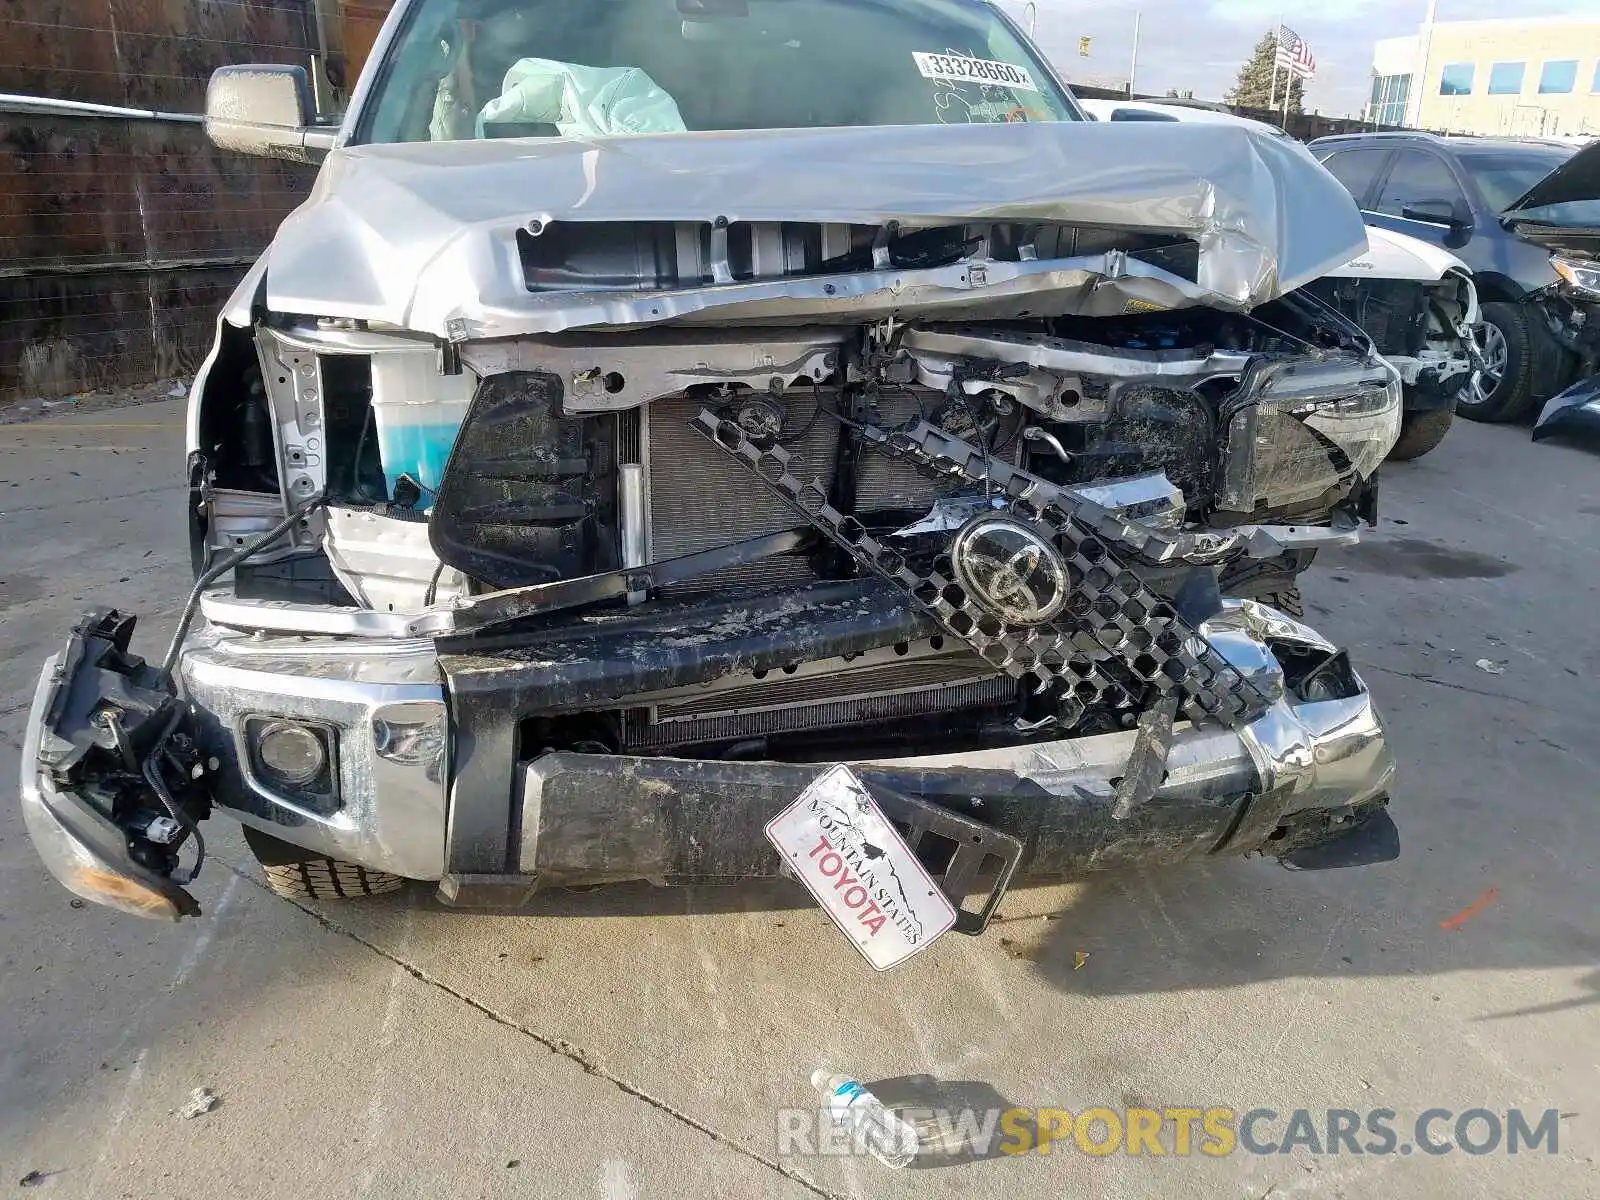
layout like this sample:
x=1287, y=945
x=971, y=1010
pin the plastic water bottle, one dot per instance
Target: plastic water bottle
x=891, y=1141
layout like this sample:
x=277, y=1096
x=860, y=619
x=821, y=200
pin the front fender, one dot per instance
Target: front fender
x=235, y=320
x=1472, y=315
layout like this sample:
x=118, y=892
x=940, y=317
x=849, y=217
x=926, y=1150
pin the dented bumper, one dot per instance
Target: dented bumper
x=413, y=797
x=608, y=818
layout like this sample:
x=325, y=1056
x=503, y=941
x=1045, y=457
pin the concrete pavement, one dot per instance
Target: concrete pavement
x=634, y=1043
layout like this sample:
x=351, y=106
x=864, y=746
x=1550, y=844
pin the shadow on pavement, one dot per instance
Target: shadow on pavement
x=624, y=900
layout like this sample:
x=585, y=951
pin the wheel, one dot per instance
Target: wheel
x=299, y=874
x=1502, y=390
x=1421, y=432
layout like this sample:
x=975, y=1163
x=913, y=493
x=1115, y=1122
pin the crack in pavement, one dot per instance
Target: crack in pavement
x=90, y=501
x=1461, y=687
x=555, y=1045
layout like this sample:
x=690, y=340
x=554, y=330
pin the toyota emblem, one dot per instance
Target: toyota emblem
x=1010, y=569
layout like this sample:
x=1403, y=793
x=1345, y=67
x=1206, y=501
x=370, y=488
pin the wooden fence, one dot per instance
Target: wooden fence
x=121, y=234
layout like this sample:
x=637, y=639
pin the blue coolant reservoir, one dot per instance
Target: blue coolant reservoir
x=415, y=413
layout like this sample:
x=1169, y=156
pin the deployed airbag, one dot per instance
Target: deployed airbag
x=582, y=101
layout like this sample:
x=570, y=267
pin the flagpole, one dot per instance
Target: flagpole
x=1277, y=40
x=1133, y=69
x=1419, y=67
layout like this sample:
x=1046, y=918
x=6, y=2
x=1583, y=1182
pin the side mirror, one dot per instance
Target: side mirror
x=265, y=109
x=1433, y=212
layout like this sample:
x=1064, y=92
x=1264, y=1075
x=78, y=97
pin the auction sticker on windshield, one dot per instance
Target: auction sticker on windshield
x=840, y=845
x=960, y=68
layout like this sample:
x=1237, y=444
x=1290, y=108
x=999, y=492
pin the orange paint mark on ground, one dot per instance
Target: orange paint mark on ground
x=1471, y=910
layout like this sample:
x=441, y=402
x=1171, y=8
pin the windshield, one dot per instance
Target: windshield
x=1505, y=176
x=559, y=68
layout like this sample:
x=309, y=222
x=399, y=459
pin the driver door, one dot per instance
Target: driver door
x=1421, y=197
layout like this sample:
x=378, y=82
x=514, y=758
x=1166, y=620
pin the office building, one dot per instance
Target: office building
x=1517, y=76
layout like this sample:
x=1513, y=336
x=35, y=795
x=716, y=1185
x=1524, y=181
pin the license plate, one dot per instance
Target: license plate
x=859, y=868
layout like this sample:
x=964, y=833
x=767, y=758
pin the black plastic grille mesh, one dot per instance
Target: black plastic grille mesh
x=1116, y=639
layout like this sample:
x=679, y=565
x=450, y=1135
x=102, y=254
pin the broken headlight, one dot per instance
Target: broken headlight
x=1580, y=274
x=1297, y=429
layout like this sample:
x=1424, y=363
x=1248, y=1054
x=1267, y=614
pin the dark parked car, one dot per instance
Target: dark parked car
x=1455, y=192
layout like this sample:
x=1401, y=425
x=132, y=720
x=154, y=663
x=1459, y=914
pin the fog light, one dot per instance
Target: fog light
x=291, y=754
x=1320, y=688
x=1334, y=679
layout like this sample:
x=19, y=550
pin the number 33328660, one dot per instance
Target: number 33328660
x=973, y=70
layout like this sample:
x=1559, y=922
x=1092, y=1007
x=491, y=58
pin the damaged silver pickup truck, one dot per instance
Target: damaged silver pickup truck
x=660, y=402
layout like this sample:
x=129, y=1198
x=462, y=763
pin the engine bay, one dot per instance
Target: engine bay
x=485, y=466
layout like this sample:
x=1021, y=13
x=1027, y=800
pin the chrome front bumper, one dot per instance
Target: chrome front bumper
x=386, y=702
x=598, y=818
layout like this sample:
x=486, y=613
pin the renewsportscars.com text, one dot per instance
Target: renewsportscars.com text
x=1182, y=1132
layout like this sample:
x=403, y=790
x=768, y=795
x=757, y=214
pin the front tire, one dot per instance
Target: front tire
x=299, y=874
x=1503, y=389
x=1275, y=583
x=1421, y=432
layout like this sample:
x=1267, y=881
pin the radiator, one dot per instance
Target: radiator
x=700, y=499
x=1392, y=312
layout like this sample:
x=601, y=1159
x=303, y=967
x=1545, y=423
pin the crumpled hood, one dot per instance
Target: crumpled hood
x=424, y=235
x=1562, y=211
x=1576, y=179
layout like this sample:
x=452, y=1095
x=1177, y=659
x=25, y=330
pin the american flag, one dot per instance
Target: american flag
x=1294, y=53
